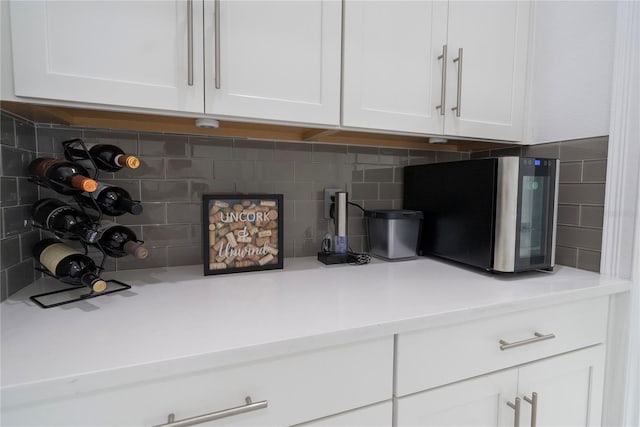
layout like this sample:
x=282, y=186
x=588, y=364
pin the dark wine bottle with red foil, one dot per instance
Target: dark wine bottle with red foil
x=68, y=265
x=112, y=200
x=109, y=158
x=64, y=220
x=118, y=241
x=62, y=176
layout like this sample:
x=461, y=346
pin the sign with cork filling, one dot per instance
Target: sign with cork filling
x=242, y=232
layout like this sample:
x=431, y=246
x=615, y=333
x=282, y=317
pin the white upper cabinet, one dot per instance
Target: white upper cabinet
x=487, y=85
x=276, y=60
x=143, y=54
x=392, y=77
x=398, y=72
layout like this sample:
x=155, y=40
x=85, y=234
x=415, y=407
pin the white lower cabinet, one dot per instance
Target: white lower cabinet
x=287, y=390
x=378, y=415
x=568, y=392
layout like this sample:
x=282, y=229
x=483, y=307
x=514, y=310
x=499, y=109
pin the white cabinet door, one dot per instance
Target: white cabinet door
x=392, y=77
x=481, y=401
x=133, y=53
x=487, y=86
x=569, y=389
x=378, y=415
x=274, y=60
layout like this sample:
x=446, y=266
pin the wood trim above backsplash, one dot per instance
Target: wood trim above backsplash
x=104, y=119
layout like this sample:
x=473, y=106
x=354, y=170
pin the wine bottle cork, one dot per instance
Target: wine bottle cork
x=99, y=286
x=129, y=161
x=136, y=249
x=84, y=183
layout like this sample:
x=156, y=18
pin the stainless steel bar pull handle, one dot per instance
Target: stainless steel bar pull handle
x=534, y=407
x=443, y=86
x=516, y=409
x=216, y=30
x=459, y=93
x=504, y=345
x=190, y=42
x=250, y=406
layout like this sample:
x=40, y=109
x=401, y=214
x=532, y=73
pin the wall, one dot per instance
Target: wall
x=583, y=169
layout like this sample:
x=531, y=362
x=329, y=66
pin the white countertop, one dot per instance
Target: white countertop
x=176, y=314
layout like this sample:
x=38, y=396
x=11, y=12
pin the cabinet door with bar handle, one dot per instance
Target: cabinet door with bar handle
x=145, y=54
x=487, y=58
x=277, y=60
x=564, y=390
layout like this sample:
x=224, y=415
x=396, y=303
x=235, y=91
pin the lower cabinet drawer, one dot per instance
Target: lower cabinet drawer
x=379, y=415
x=438, y=356
x=296, y=388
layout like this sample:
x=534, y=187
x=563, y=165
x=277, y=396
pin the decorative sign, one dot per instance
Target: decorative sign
x=242, y=232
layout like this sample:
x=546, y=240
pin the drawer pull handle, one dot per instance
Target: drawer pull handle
x=534, y=407
x=250, y=406
x=504, y=345
x=516, y=414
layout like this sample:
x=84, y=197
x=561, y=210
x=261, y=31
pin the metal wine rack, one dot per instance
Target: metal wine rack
x=113, y=285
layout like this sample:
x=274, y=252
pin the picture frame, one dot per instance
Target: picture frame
x=242, y=232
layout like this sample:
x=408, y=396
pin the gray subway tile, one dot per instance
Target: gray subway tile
x=308, y=209
x=127, y=141
x=544, y=151
x=357, y=227
x=398, y=174
x=306, y=247
x=299, y=152
x=27, y=192
x=164, y=191
x=4, y=291
x=294, y=190
x=15, y=161
x=510, y=151
x=594, y=171
x=50, y=139
x=10, y=253
x=152, y=213
x=447, y=156
x=163, y=145
x=187, y=213
x=357, y=175
x=577, y=237
x=367, y=155
x=256, y=186
x=570, y=172
x=277, y=171
x=567, y=256
x=27, y=242
x=592, y=194
x=235, y=170
x=184, y=255
x=162, y=235
x=569, y=214
x=7, y=130
x=366, y=191
x=132, y=186
x=327, y=153
x=377, y=204
x=589, y=260
x=190, y=168
x=591, y=216
x=378, y=174
x=19, y=276
x=584, y=149
x=211, y=147
x=390, y=191
x=322, y=172
x=394, y=156
x=480, y=154
x=16, y=220
x=198, y=188
x=25, y=135
x=244, y=149
x=8, y=191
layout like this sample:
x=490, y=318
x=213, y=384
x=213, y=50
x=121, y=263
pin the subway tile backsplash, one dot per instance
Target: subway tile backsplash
x=177, y=170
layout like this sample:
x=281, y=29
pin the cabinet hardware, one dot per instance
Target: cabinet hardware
x=504, y=345
x=534, y=407
x=199, y=419
x=443, y=84
x=216, y=29
x=459, y=92
x=190, y=42
x=516, y=412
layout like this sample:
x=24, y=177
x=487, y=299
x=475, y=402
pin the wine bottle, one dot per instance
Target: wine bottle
x=118, y=241
x=64, y=220
x=111, y=200
x=62, y=176
x=68, y=265
x=107, y=157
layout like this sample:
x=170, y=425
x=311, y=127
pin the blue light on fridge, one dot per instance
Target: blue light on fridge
x=537, y=162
